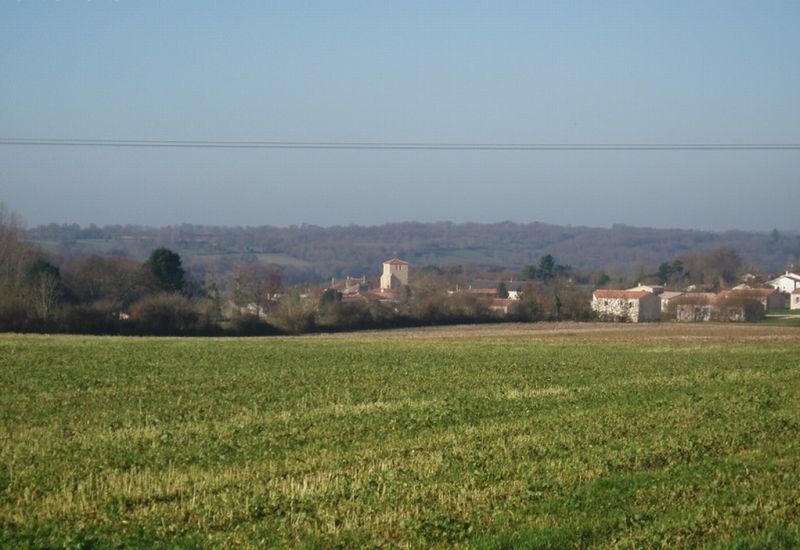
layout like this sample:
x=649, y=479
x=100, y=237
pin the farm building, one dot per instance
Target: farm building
x=788, y=282
x=689, y=313
x=501, y=305
x=695, y=306
x=629, y=305
x=489, y=288
x=706, y=306
x=667, y=297
x=769, y=298
x=795, y=300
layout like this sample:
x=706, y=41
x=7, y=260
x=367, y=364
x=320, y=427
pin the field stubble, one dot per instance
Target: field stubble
x=528, y=435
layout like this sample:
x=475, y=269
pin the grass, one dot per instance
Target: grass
x=782, y=317
x=783, y=311
x=793, y=321
x=514, y=436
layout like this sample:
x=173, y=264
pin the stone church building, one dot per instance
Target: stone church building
x=395, y=274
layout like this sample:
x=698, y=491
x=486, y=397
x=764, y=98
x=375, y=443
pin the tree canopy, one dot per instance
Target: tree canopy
x=166, y=267
x=502, y=290
x=546, y=270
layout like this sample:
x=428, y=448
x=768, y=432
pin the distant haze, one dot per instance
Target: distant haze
x=465, y=72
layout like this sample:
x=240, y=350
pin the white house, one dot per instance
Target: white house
x=794, y=300
x=788, y=282
x=629, y=305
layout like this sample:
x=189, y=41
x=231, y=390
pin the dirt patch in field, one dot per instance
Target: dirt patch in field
x=593, y=332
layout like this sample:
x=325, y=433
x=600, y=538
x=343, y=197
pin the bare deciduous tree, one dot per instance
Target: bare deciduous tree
x=44, y=291
x=15, y=252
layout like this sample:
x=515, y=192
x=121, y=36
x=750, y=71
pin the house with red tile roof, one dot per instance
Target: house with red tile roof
x=653, y=289
x=501, y=305
x=769, y=298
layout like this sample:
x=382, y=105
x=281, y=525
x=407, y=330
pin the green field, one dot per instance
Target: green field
x=783, y=317
x=529, y=436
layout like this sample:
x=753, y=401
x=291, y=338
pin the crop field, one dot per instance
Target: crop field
x=546, y=435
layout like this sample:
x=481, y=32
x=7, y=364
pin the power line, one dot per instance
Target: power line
x=382, y=145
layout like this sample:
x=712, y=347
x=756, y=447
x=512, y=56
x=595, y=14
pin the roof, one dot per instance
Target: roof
x=669, y=294
x=792, y=276
x=395, y=261
x=748, y=292
x=488, y=291
x=759, y=291
x=655, y=289
x=697, y=298
x=621, y=294
x=488, y=283
x=796, y=291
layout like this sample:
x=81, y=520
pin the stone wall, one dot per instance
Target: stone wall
x=616, y=309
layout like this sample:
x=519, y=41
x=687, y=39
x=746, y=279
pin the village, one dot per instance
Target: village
x=749, y=300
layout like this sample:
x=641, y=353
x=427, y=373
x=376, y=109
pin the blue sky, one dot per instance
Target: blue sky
x=639, y=72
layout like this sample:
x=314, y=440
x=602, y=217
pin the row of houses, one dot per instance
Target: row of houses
x=641, y=303
x=645, y=303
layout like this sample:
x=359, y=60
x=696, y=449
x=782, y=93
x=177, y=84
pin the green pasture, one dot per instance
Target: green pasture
x=371, y=441
x=782, y=317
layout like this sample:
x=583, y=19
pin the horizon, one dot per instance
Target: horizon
x=303, y=225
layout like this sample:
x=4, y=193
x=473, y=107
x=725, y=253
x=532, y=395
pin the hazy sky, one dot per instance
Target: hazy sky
x=556, y=72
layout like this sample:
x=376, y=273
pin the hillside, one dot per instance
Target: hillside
x=310, y=252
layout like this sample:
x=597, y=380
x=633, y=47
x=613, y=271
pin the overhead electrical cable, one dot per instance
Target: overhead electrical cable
x=382, y=145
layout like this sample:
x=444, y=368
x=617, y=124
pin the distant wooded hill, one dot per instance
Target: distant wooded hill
x=315, y=253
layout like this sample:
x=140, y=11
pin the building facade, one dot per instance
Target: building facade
x=769, y=298
x=395, y=274
x=635, y=306
x=788, y=282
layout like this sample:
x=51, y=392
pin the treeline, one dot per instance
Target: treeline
x=312, y=253
x=116, y=295
x=157, y=293
x=708, y=270
x=112, y=295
